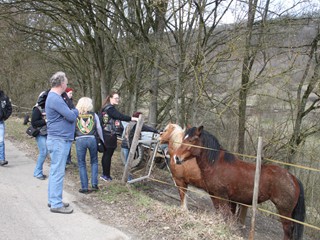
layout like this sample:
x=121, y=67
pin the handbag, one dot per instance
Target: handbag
x=32, y=132
x=100, y=145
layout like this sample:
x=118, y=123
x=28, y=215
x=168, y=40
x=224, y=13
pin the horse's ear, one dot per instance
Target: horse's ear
x=199, y=130
x=188, y=126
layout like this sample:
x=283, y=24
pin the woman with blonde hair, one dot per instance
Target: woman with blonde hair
x=87, y=128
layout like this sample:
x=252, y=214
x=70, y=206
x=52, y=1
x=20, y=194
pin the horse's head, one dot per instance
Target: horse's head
x=168, y=132
x=189, y=147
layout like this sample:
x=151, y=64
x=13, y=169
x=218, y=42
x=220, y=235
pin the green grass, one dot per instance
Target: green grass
x=117, y=190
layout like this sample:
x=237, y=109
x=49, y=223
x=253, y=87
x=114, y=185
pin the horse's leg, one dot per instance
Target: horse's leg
x=183, y=188
x=285, y=210
x=233, y=207
x=215, y=203
x=242, y=214
x=291, y=229
x=183, y=198
x=291, y=205
x=222, y=206
x=287, y=226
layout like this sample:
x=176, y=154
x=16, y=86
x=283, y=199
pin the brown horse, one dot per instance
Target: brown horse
x=183, y=174
x=228, y=177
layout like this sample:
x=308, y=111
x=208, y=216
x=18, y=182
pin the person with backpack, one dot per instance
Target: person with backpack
x=38, y=120
x=87, y=129
x=111, y=120
x=5, y=113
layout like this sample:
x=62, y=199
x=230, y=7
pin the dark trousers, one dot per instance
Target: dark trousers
x=106, y=161
x=110, y=143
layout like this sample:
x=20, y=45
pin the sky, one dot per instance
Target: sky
x=237, y=10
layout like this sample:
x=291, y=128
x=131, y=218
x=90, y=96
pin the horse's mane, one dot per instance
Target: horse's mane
x=211, y=142
x=176, y=135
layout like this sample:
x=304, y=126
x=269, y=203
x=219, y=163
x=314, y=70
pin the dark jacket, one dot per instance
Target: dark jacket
x=38, y=120
x=111, y=119
x=110, y=116
x=5, y=107
x=86, y=125
x=68, y=100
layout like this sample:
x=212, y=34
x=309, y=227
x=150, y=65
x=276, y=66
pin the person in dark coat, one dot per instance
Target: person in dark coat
x=111, y=121
x=38, y=120
x=68, y=98
x=5, y=113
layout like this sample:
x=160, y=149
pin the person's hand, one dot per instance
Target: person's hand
x=134, y=119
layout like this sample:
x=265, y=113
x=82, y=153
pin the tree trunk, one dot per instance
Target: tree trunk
x=245, y=77
x=161, y=9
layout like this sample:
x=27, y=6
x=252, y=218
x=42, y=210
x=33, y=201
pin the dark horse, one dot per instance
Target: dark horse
x=228, y=177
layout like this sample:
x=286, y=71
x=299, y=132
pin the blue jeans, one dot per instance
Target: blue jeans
x=2, y=149
x=69, y=157
x=58, y=150
x=41, y=141
x=125, y=152
x=82, y=144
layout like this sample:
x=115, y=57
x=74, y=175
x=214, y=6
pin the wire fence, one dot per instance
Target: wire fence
x=241, y=204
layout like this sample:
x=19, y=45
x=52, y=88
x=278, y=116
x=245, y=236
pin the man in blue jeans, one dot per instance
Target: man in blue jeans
x=60, y=128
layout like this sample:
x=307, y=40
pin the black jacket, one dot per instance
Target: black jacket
x=5, y=107
x=68, y=100
x=38, y=120
x=115, y=114
x=111, y=120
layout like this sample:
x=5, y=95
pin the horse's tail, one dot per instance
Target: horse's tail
x=299, y=213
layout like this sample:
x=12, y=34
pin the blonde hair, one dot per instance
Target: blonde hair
x=84, y=105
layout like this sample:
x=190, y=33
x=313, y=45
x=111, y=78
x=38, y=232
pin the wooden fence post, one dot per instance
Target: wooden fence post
x=133, y=147
x=256, y=189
